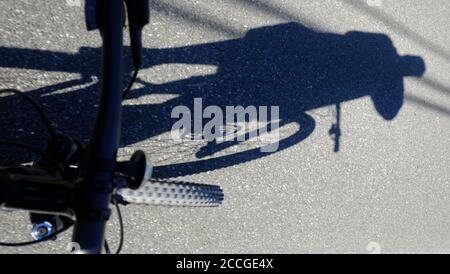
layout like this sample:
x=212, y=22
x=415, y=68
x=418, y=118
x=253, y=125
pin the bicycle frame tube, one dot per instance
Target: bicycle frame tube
x=92, y=204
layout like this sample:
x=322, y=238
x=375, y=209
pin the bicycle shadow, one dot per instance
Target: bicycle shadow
x=286, y=65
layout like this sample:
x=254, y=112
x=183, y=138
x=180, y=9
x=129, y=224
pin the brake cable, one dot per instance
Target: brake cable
x=50, y=128
x=49, y=237
x=38, y=109
x=38, y=152
x=121, y=228
x=130, y=85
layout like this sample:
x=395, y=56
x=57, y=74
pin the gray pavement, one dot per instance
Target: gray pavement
x=387, y=189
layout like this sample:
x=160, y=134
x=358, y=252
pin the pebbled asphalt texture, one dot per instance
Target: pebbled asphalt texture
x=383, y=186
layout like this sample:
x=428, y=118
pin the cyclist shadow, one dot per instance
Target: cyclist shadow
x=286, y=65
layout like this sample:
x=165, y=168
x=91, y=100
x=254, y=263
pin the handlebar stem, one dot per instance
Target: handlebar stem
x=97, y=170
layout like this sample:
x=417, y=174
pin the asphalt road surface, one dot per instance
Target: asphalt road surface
x=381, y=67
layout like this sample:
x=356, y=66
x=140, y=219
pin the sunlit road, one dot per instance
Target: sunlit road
x=384, y=187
